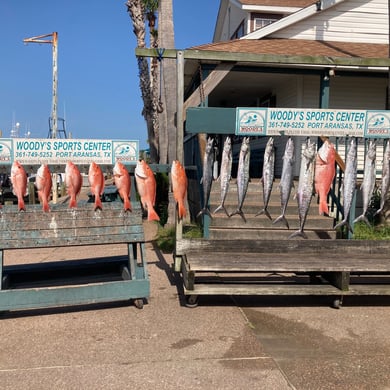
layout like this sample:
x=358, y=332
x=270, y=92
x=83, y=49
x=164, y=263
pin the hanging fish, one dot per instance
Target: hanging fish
x=207, y=178
x=325, y=171
x=369, y=178
x=385, y=184
x=19, y=183
x=286, y=180
x=226, y=173
x=349, y=183
x=305, y=185
x=267, y=179
x=243, y=175
x=43, y=182
x=179, y=187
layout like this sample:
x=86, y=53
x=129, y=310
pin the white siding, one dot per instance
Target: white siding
x=357, y=93
x=350, y=21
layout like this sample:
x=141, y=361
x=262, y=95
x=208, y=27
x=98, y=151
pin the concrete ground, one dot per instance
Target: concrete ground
x=225, y=343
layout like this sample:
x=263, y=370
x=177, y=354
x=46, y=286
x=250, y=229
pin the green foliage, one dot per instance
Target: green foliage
x=364, y=232
x=166, y=236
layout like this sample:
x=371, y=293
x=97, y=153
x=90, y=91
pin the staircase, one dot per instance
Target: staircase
x=260, y=227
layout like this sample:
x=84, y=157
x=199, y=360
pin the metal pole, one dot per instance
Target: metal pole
x=55, y=83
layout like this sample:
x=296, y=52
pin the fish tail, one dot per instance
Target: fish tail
x=282, y=218
x=299, y=233
x=72, y=202
x=204, y=211
x=221, y=207
x=45, y=206
x=264, y=211
x=362, y=218
x=344, y=222
x=182, y=212
x=21, y=205
x=152, y=215
x=323, y=207
x=239, y=212
x=127, y=204
x=98, y=203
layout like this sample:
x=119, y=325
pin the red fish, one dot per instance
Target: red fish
x=96, y=182
x=43, y=183
x=324, y=174
x=19, y=183
x=179, y=187
x=123, y=184
x=74, y=181
x=146, y=186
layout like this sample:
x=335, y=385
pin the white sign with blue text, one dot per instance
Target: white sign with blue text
x=312, y=122
x=59, y=151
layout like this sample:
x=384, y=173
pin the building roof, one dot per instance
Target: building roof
x=278, y=3
x=299, y=47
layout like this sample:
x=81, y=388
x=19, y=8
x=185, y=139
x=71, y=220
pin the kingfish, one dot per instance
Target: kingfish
x=305, y=185
x=267, y=179
x=368, y=183
x=286, y=180
x=243, y=175
x=385, y=184
x=349, y=183
x=207, y=178
x=226, y=173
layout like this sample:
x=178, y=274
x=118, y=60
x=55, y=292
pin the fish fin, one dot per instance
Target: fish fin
x=344, y=222
x=21, y=205
x=98, y=203
x=204, y=211
x=282, y=218
x=73, y=203
x=299, y=233
x=182, y=212
x=362, y=218
x=265, y=212
x=323, y=208
x=127, y=204
x=152, y=215
x=239, y=212
x=221, y=207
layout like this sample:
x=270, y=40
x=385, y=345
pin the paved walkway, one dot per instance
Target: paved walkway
x=242, y=343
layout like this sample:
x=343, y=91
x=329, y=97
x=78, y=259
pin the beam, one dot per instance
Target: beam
x=278, y=59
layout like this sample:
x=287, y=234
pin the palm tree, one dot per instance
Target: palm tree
x=140, y=11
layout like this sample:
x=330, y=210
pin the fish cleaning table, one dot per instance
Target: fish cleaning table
x=72, y=282
x=283, y=267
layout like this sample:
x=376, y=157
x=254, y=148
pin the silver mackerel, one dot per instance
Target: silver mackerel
x=207, y=177
x=226, y=173
x=286, y=180
x=385, y=184
x=243, y=175
x=349, y=183
x=267, y=179
x=305, y=185
x=368, y=183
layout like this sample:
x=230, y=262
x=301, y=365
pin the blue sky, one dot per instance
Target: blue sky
x=98, y=91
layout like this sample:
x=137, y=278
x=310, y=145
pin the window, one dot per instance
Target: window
x=262, y=22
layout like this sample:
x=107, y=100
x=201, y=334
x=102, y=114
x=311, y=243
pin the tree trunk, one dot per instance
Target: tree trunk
x=167, y=140
x=136, y=10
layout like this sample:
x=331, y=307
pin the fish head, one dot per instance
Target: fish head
x=119, y=168
x=327, y=152
x=371, y=154
x=140, y=169
x=17, y=169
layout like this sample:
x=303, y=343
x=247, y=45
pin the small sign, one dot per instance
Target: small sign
x=38, y=151
x=312, y=122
